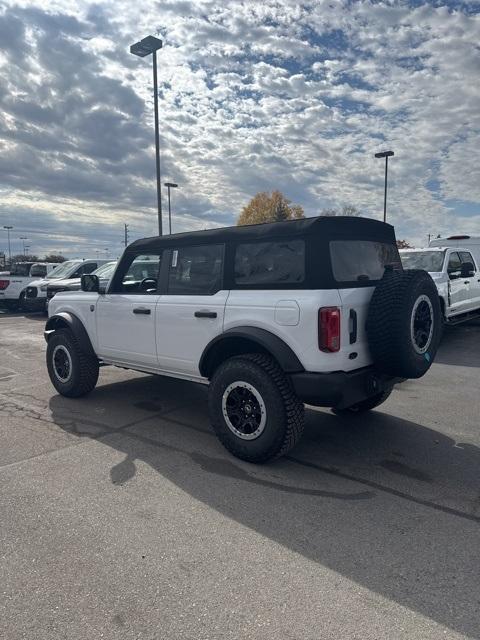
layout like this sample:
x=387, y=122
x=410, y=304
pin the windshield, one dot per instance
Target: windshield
x=426, y=260
x=63, y=271
x=106, y=270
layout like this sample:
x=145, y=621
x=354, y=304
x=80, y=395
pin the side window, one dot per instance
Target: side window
x=84, y=268
x=265, y=263
x=362, y=260
x=90, y=267
x=38, y=271
x=466, y=256
x=141, y=275
x=454, y=264
x=196, y=270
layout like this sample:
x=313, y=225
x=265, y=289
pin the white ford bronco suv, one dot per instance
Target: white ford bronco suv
x=270, y=316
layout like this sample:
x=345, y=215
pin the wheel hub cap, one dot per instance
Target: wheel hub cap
x=421, y=324
x=244, y=410
x=62, y=363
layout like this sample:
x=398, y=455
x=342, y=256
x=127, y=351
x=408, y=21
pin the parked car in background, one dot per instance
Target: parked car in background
x=13, y=286
x=36, y=293
x=104, y=274
x=456, y=275
x=470, y=243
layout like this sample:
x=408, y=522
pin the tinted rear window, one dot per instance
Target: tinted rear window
x=265, y=263
x=362, y=260
x=21, y=269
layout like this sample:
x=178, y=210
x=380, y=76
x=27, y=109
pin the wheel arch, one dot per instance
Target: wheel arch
x=66, y=320
x=242, y=340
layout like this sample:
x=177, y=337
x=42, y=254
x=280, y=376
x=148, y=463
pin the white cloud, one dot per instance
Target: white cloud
x=254, y=96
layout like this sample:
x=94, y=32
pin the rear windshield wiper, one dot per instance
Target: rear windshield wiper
x=363, y=277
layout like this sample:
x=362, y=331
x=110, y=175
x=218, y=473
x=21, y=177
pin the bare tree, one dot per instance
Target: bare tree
x=347, y=210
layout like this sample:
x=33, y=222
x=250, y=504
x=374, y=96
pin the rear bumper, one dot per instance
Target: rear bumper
x=340, y=389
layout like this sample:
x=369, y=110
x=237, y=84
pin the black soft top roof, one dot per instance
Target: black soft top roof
x=329, y=227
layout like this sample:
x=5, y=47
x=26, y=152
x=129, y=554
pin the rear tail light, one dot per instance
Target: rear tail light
x=4, y=284
x=329, y=329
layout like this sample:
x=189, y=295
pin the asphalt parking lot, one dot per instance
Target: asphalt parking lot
x=123, y=517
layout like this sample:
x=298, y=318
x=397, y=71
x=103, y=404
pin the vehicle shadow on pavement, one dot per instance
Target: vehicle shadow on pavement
x=31, y=315
x=392, y=505
x=460, y=345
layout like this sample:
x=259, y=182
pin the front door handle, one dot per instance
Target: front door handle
x=205, y=314
x=142, y=311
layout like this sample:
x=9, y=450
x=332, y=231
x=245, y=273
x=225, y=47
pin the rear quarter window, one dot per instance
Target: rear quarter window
x=362, y=260
x=266, y=263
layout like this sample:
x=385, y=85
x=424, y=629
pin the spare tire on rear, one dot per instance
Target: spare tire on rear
x=404, y=323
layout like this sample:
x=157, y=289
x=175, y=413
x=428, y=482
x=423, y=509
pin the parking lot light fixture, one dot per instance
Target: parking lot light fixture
x=23, y=238
x=9, y=228
x=143, y=48
x=170, y=185
x=386, y=155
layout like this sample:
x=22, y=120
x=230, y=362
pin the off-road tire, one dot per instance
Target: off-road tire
x=364, y=405
x=84, y=367
x=389, y=325
x=284, y=411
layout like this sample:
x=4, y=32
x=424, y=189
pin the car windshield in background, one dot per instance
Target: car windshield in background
x=362, y=260
x=426, y=260
x=64, y=269
x=106, y=270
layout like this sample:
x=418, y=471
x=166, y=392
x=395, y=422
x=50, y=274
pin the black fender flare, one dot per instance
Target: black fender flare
x=65, y=320
x=268, y=341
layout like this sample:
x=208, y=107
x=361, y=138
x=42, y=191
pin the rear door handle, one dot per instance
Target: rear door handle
x=353, y=326
x=205, y=314
x=142, y=311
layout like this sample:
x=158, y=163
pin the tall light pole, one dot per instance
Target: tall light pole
x=386, y=155
x=9, y=228
x=147, y=46
x=170, y=185
x=23, y=238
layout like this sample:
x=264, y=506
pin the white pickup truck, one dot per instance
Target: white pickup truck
x=456, y=275
x=14, y=284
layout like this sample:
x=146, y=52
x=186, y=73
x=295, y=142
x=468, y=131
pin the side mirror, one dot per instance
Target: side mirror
x=90, y=283
x=467, y=270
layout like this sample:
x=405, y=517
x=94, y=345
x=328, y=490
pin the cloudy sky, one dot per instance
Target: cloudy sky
x=254, y=95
